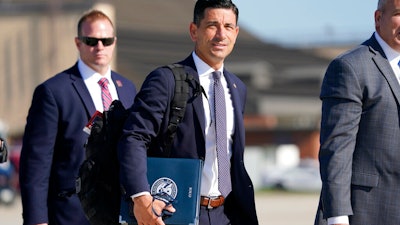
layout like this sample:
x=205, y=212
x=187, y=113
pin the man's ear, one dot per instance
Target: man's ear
x=378, y=17
x=77, y=42
x=193, y=31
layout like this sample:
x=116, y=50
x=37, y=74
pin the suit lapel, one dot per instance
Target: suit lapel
x=236, y=102
x=198, y=109
x=82, y=91
x=386, y=70
x=119, y=85
x=198, y=102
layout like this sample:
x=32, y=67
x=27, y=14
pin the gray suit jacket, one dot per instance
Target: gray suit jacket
x=360, y=138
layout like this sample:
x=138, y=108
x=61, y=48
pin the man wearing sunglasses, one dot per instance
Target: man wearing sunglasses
x=53, y=142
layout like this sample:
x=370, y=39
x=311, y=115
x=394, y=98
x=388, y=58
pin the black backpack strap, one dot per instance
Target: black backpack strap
x=178, y=104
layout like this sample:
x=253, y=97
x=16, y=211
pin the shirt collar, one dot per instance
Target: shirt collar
x=203, y=69
x=88, y=73
x=390, y=53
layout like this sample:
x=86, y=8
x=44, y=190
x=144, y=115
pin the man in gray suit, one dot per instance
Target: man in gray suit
x=360, y=129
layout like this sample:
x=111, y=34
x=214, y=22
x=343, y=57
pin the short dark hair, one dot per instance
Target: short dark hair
x=93, y=15
x=202, y=5
x=381, y=4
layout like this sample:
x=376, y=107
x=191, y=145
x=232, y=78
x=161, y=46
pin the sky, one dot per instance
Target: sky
x=308, y=22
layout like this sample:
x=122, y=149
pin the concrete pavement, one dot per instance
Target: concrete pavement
x=273, y=208
x=283, y=208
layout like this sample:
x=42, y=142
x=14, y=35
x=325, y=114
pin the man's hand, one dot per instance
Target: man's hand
x=143, y=210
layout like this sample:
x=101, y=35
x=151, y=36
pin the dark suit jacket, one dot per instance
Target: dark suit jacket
x=360, y=138
x=53, y=146
x=146, y=128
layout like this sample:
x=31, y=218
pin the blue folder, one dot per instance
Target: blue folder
x=181, y=179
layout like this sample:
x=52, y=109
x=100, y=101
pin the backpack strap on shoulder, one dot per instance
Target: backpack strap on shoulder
x=178, y=104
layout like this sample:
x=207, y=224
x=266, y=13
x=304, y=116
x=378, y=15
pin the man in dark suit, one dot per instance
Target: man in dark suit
x=360, y=134
x=53, y=142
x=214, y=31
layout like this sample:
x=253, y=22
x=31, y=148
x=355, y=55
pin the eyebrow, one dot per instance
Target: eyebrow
x=216, y=22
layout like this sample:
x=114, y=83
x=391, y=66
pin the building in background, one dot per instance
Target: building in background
x=283, y=108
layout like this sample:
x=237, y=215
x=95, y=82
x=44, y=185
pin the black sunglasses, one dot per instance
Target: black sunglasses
x=91, y=41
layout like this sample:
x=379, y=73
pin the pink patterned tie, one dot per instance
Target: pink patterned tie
x=105, y=93
x=224, y=178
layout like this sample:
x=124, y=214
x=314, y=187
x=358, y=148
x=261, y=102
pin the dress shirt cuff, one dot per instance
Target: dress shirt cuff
x=140, y=194
x=338, y=220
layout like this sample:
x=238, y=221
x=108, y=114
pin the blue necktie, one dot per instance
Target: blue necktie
x=224, y=178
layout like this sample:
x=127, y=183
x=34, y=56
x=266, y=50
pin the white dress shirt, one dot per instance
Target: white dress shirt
x=91, y=77
x=392, y=55
x=209, y=182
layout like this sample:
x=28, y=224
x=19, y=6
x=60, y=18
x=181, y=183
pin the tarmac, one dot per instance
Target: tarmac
x=273, y=208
